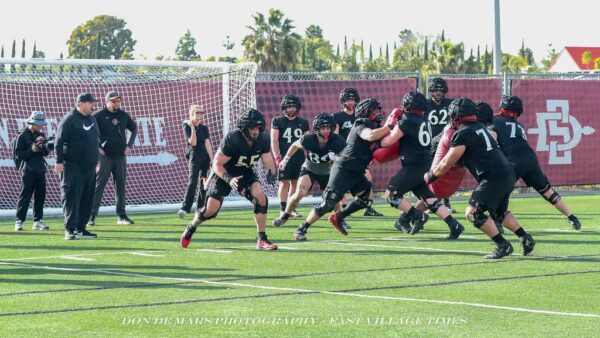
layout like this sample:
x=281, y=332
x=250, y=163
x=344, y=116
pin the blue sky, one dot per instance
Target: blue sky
x=157, y=26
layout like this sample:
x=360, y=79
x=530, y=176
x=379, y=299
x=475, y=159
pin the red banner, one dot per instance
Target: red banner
x=323, y=97
x=563, y=126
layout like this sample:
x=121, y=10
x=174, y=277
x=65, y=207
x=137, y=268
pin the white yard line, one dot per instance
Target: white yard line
x=215, y=250
x=333, y=293
x=77, y=255
x=77, y=258
x=404, y=247
x=135, y=253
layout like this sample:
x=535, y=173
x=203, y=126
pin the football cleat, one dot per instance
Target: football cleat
x=186, y=237
x=419, y=222
x=279, y=221
x=502, y=249
x=574, y=222
x=300, y=235
x=456, y=231
x=265, y=244
x=403, y=224
x=337, y=224
x=528, y=244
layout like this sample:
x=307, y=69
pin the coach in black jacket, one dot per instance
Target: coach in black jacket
x=30, y=154
x=114, y=146
x=76, y=160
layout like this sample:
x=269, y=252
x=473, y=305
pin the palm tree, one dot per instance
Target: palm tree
x=271, y=42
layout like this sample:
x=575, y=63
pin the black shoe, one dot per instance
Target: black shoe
x=574, y=222
x=300, y=235
x=84, y=234
x=419, y=222
x=403, y=224
x=186, y=237
x=372, y=212
x=69, y=235
x=455, y=231
x=91, y=222
x=124, y=220
x=528, y=244
x=502, y=249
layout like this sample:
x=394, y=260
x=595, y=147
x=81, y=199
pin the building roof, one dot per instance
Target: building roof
x=577, y=52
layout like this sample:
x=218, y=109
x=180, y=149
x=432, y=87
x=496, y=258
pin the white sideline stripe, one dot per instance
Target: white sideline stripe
x=405, y=247
x=78, y=255
x=357, y=295
x=75, y=258
x=144, y=254
x=215, y=250
x=286, y=247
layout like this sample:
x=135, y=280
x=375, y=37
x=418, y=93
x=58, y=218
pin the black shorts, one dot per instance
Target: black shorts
x=320, y=179
x=492, y=197
x=410, y=178
x=342, y=181
x=218, y=188
x=532, y=175
x=292, y=169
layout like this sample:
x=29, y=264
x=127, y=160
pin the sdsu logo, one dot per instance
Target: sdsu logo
x=559, y=123
x=347, y=125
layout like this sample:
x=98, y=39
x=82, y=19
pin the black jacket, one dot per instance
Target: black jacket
x=77, y=140
x=112, y=125
x=32, y=161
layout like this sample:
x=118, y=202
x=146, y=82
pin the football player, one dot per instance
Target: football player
x=412, y=131
x=512, y=139
x=285, y=130
x=437, y=114
x=322, y=147
x=344, y=120
x=348, y=171
x=475, y=146
x=232, y=167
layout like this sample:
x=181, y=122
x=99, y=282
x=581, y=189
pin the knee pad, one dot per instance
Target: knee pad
x=362, y=198
x=478, y=217
x=500, y=218
x=435, y=205
x=394, y=199
x=201, y=213
x=554, y=198
x=260, y=209
x=330, y=198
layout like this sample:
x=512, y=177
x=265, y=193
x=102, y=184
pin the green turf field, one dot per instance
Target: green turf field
x=137, y=281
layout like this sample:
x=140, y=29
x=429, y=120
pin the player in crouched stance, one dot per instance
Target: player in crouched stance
x=322, y=147
x=348, y=171
x=239, y=151
x=479, y=151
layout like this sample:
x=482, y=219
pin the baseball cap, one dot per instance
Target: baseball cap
x=112, y=95
x=86, y=97
x=38, y=118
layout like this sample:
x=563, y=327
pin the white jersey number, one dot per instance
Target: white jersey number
x=287, y=134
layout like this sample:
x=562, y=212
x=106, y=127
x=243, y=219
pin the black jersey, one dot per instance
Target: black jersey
x=482, y=155
x=317, y=160
x=437, y=115
x=512, y=140
x=358, y=153
x=416, y=142
x=289, y=130
x=344, y=122
x=243, y=156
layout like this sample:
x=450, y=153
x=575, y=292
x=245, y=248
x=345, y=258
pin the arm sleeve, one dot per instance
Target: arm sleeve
x=187, y=132
x=61, y=136
x=132, y=126
x=23, y=151
x=275, y=123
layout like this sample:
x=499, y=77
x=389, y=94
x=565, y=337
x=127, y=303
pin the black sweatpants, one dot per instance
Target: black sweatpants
x=77, y=188
x=198, y=168
x=32, y=184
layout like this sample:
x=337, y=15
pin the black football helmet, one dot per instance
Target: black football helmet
x=485, y=114
x=249, y=119
x=437, y=83
x=290, y=100
x=349, y=94
x=414, y=100
x=369, y=109
x=512, y=103
x=321, y=120
x=462, y=110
